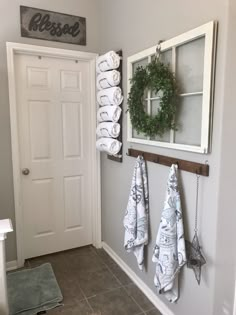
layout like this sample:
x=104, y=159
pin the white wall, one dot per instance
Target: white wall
x=10, y=31
x=133, y=26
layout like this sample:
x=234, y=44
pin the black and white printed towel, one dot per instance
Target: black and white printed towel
x=169, y=252
x=136, y=216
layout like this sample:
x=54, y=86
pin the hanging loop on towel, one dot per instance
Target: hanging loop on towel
x=158, y=49
x=196, y=206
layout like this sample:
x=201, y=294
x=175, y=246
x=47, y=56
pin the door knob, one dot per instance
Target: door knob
x=25, y=171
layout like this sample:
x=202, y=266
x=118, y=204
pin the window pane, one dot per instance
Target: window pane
x=190, y=66
x=142, y=62
x=155, y=105
x=166, y=58
x=188, y=119
x=135, y=134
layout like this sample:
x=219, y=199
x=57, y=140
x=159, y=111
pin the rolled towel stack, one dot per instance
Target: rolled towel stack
x=108, y=129
x=108, y=79
x=109, y=145
x=109, y=113
x=109, y=61
x=109, y=97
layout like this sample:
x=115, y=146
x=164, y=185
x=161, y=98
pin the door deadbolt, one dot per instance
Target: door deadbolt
x=25, y=171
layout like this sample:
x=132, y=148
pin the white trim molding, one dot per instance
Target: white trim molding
x=11, y=265
x=234, y=305
x=12, y=50
x=156, y=301
x=5, y=227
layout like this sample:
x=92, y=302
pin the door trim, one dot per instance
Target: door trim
x=12, y=50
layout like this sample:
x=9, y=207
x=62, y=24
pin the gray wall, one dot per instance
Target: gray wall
x=10, y=31
x=133, y=26
x=226, y=233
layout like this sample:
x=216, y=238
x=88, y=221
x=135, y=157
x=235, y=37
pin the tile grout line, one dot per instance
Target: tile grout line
x=106, y=265
x=108, y=290
x=123, y=286
x=104, y=292
x=134, y=300
x=118, y=280
x=90, y=306
x=148, y=310
x=85, y=298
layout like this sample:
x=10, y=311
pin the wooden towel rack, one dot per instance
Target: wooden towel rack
x=118, y=157
x=188, y=166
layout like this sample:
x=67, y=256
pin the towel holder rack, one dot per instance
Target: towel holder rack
x=188, y=166
x=118, y=157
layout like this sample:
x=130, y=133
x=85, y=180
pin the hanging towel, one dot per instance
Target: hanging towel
x=108, y=79
x=108, y=129
x=108, y=61
x=136, y=216
x=111, y=96
x=169, y=252
x=109, y=113
x=109, y=145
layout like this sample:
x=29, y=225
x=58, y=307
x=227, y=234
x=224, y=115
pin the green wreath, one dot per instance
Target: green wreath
x=155, y=77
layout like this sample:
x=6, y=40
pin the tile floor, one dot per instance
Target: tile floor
x=93, y=284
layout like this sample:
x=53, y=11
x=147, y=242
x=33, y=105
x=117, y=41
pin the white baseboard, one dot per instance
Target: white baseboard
x=11, y=265
x=156, y=301
x=234, y=311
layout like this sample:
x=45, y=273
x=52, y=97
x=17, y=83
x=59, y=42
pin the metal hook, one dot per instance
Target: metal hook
x=156, y=159
x=177, y=163
x=198, y=172
x=158, y=49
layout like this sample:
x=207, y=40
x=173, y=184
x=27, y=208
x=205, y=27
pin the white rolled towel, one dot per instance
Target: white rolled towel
x=108, y=129
x=111, y=96
x=108, y=145
x=109, y=113
x=108, y=79
x=108, y=61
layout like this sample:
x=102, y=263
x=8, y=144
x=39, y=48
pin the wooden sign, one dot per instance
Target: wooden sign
x=54, y=26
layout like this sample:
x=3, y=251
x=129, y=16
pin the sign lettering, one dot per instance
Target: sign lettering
x=41, y=24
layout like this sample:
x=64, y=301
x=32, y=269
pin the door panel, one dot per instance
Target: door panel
x=54, y=113
x=39, y=128
x=44, y=190
x=72, y=129
x=71, y=81
x=73, y=192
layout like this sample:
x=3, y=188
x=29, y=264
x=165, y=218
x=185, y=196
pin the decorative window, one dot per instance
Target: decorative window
x=191, y=58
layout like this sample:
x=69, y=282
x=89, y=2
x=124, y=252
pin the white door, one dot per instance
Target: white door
x=54, y=116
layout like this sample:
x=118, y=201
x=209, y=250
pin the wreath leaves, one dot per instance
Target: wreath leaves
x=158, y=78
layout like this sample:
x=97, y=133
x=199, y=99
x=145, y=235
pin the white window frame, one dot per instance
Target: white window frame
x=209, y=32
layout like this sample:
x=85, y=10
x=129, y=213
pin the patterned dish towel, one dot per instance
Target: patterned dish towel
x=169, y=252
x=136, y=216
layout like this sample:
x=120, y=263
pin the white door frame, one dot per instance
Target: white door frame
x=12, y=50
